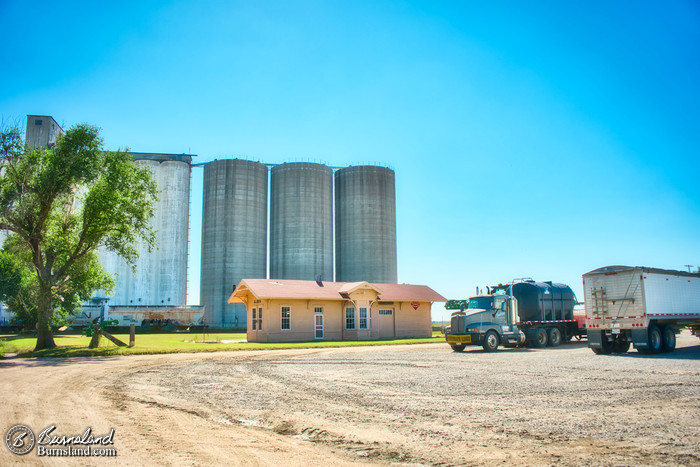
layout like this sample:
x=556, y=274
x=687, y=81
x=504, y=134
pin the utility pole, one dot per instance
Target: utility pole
x=689, y=266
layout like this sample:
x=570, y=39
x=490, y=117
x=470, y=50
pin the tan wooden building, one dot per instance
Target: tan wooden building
x=297, y=311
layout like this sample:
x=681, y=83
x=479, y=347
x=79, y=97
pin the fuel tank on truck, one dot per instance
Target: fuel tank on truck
x=544, y=301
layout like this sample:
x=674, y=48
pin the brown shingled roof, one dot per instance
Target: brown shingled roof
x=420, y=293
x=273, y=288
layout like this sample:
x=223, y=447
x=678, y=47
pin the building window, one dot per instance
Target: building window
x=255, y=319
x=318, y=309
x=350, y=318
x=286, y=318
x=386, y=312
x=260, y=319
x=318, y=324
x=363, y=318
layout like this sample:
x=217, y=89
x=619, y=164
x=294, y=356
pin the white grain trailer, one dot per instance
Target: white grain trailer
x=642, y=306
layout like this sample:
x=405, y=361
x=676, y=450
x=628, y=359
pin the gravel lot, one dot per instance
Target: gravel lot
x=419, y=404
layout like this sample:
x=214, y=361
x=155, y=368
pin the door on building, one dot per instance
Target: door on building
x=318, y=325
x=386, y=322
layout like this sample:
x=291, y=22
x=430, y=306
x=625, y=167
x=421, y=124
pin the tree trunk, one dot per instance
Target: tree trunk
x=44, y=335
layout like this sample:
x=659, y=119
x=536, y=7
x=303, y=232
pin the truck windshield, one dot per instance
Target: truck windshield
x=480, y=302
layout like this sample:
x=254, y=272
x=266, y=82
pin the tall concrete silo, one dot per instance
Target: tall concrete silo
x=365, y=225
x=301, y=221
x=161, y=275
x=173, y=233
x=234, y=236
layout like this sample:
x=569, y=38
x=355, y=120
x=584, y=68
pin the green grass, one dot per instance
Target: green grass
x=71, y=345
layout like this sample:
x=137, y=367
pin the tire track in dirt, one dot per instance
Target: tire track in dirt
x=417, y=404
x=77, y=393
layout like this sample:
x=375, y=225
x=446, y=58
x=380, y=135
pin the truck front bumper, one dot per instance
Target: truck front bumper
x=468, y=338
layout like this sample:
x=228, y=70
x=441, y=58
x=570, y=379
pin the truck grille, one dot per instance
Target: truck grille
x=458, y=324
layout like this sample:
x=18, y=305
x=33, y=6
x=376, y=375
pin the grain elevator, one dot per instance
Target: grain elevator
x=295, y=220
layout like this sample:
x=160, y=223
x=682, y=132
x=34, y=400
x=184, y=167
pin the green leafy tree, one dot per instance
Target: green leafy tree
x=60, y=204
x=17, y=287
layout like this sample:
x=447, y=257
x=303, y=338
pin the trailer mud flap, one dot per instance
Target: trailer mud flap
x=595, y=339
x=640, y=338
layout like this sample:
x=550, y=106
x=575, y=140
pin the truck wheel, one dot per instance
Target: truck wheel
x=540, y=338
x=491, y=341
x=668, y=338
x=655, y=339
x=458, y=347
x=554, y=337
x=620, y=346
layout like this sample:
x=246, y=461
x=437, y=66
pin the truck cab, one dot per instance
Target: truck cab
x=486, y=320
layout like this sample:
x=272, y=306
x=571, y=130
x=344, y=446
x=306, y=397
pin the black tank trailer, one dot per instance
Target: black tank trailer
x=549, y=306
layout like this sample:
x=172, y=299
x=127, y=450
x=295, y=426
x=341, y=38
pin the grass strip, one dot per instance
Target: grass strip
x=146, y=344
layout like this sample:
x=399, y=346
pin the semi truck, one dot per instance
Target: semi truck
x=640, y=306
x=523, y=313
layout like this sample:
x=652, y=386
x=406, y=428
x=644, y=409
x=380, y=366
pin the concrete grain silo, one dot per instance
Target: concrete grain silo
x=234, y=236
x=161, y=275
x=301, y=221
x=173, y=231
x=365, y=225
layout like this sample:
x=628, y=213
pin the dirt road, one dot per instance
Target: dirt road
x=420, y=404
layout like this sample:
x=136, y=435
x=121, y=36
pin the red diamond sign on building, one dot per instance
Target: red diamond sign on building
x=415, y=305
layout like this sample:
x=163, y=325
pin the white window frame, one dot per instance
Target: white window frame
x=390, y=311
x=289, y=318
x=360, y=318
x=260, y=318
x=316, y=327
x=348, y=309
x=254, y=313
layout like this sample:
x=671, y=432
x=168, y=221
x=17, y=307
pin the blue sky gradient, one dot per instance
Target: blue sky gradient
x=539, y=139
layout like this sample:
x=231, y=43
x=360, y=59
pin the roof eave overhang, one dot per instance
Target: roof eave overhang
x=239, y=294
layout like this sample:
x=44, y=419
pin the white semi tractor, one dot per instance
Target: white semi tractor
x=638, y=305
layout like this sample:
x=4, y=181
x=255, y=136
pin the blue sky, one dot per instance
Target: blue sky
x=529, y=139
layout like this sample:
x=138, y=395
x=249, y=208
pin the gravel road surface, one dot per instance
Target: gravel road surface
x=417, y=404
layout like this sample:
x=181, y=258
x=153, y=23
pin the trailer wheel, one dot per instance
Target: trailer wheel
x=458, y=347
x=620, y=346
x=491, y=341
x=655, y=339
x=554, y=337
x=540, y=338
x=668, y=335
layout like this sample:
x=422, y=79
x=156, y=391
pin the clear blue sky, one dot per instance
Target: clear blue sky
x=539, y=139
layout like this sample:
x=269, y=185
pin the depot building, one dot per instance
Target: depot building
x=297, y=311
